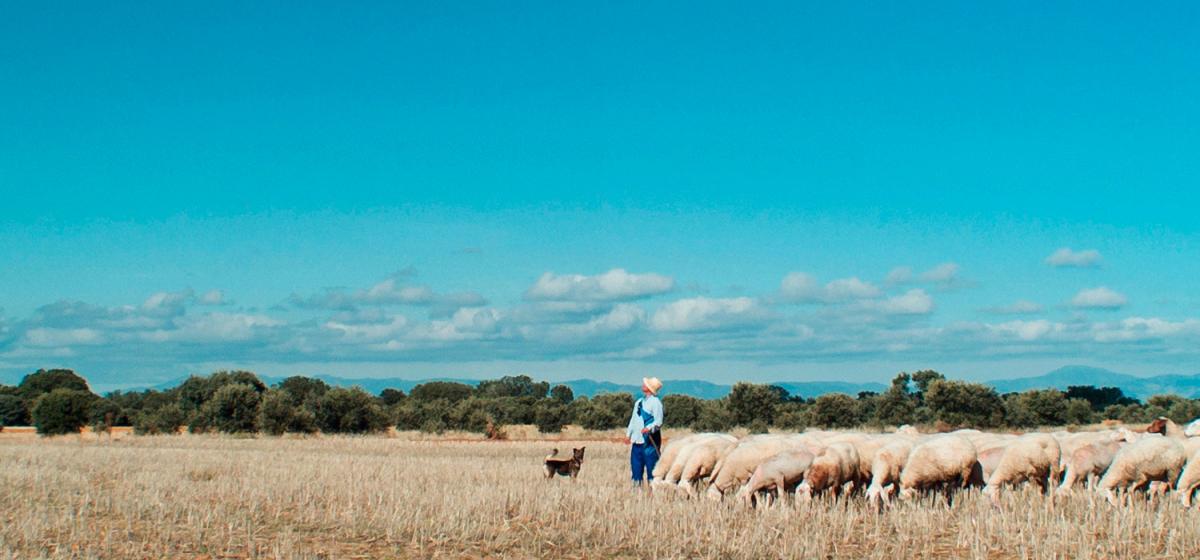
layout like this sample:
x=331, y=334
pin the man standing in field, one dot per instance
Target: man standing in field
x=645, y=431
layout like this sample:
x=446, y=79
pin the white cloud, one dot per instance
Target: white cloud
x=899, y=275
x=802, y=287
x=368, y=331
x=614, y=285
x=212, y=297
x=1027, y=330
x=701, y=314
x=215, y=327
x=621, y=318
x=389, y=291
x=1066, y=257
x=912, y=302
x=49, y=337
x=167, y=304
x=1019, y=307
x=944, y=273
x=1142, y=328
x=1098, y=298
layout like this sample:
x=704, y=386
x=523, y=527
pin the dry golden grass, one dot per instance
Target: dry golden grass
x=344, y=497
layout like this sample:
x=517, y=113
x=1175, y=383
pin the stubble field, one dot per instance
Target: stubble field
x=372, y=497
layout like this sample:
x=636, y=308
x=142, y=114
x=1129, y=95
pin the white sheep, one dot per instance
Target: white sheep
x=670, y=451
x=885, y=469
x=780, y=473
x=702, y=460
x=685, y=453
x=1138, y=464
x=946, y=461
x=1189, y=480
x=837, y=466
x=735, y=468
x=1088, y=462
x=989, y=458
x=1031, y=457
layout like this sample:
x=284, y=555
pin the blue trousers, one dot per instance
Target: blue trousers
x=643, y=456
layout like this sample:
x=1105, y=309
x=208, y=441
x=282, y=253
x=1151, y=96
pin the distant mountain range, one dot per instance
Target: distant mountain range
x=1061, y=378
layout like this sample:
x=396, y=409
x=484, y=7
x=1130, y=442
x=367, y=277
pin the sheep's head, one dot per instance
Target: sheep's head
x=819, y=475
x=804, y=492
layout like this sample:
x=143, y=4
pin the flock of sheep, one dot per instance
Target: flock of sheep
x=1162, y=458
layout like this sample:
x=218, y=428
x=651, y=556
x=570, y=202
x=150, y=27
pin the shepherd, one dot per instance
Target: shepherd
x=645, y=431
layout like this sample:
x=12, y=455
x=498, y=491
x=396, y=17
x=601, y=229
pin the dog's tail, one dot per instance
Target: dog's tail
x=552, y=453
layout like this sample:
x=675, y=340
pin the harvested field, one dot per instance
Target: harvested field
x=344, y=497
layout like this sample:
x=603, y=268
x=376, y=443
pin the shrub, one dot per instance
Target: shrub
x=166, y=419
x=13, y=411
x=714, y=417
x=350, y=411
x=448, y=390
x=104, y=414
x=232, y=409
x=835, y=410
x=275, y=413
x=550, y=415
x=1079, y=412
x=681, y=410
x=61, y=411
x=44, y=381
x=959, y=403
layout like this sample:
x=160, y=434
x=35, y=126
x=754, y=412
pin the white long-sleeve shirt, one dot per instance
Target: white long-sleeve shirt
x=647, y=408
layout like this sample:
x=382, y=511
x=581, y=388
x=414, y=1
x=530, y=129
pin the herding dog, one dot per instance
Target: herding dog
x=564, y=467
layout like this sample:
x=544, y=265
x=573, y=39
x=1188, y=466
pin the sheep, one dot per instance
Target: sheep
x=885, y=469
x=670, y=450
x=989, y=458
x=1149, y=459
x=835, y=467
x=1189, y=480
x=735, y=468
x=942, y=461
x=779, y=473
x=702, y=461
x=684, y=453
x=1032, y=457
x=1193, y=429
x=1089, y=462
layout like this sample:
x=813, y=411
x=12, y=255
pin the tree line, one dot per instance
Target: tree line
x=59, y=401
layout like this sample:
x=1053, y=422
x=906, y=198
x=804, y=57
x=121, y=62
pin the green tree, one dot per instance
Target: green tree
x=563, y=394
x=392, y=397
x=714, y=416
x=923, y=379
x=835, y=410
x=1099, y=398
x=304, y=389
x=604, y=411
x=470, y=415
x=1037, y=407
x=550, y=416
x=748, y=402
x=513, y=386
x=279, y=413
x=1079, y=412
x=793, y=415
x=44, y=381
x=165, y=419
x=681, y=411
x=61, y=411
x=232, y=409
x=896, y=406
x=959, y=403
x=103, y=414
x=13, y=411
x=351, y=410
x=1184, y=411
x=447, y=390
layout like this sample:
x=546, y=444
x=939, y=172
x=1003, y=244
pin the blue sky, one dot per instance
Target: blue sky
x=802, y=191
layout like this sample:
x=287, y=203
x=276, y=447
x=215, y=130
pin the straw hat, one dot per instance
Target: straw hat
x=653, y=384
